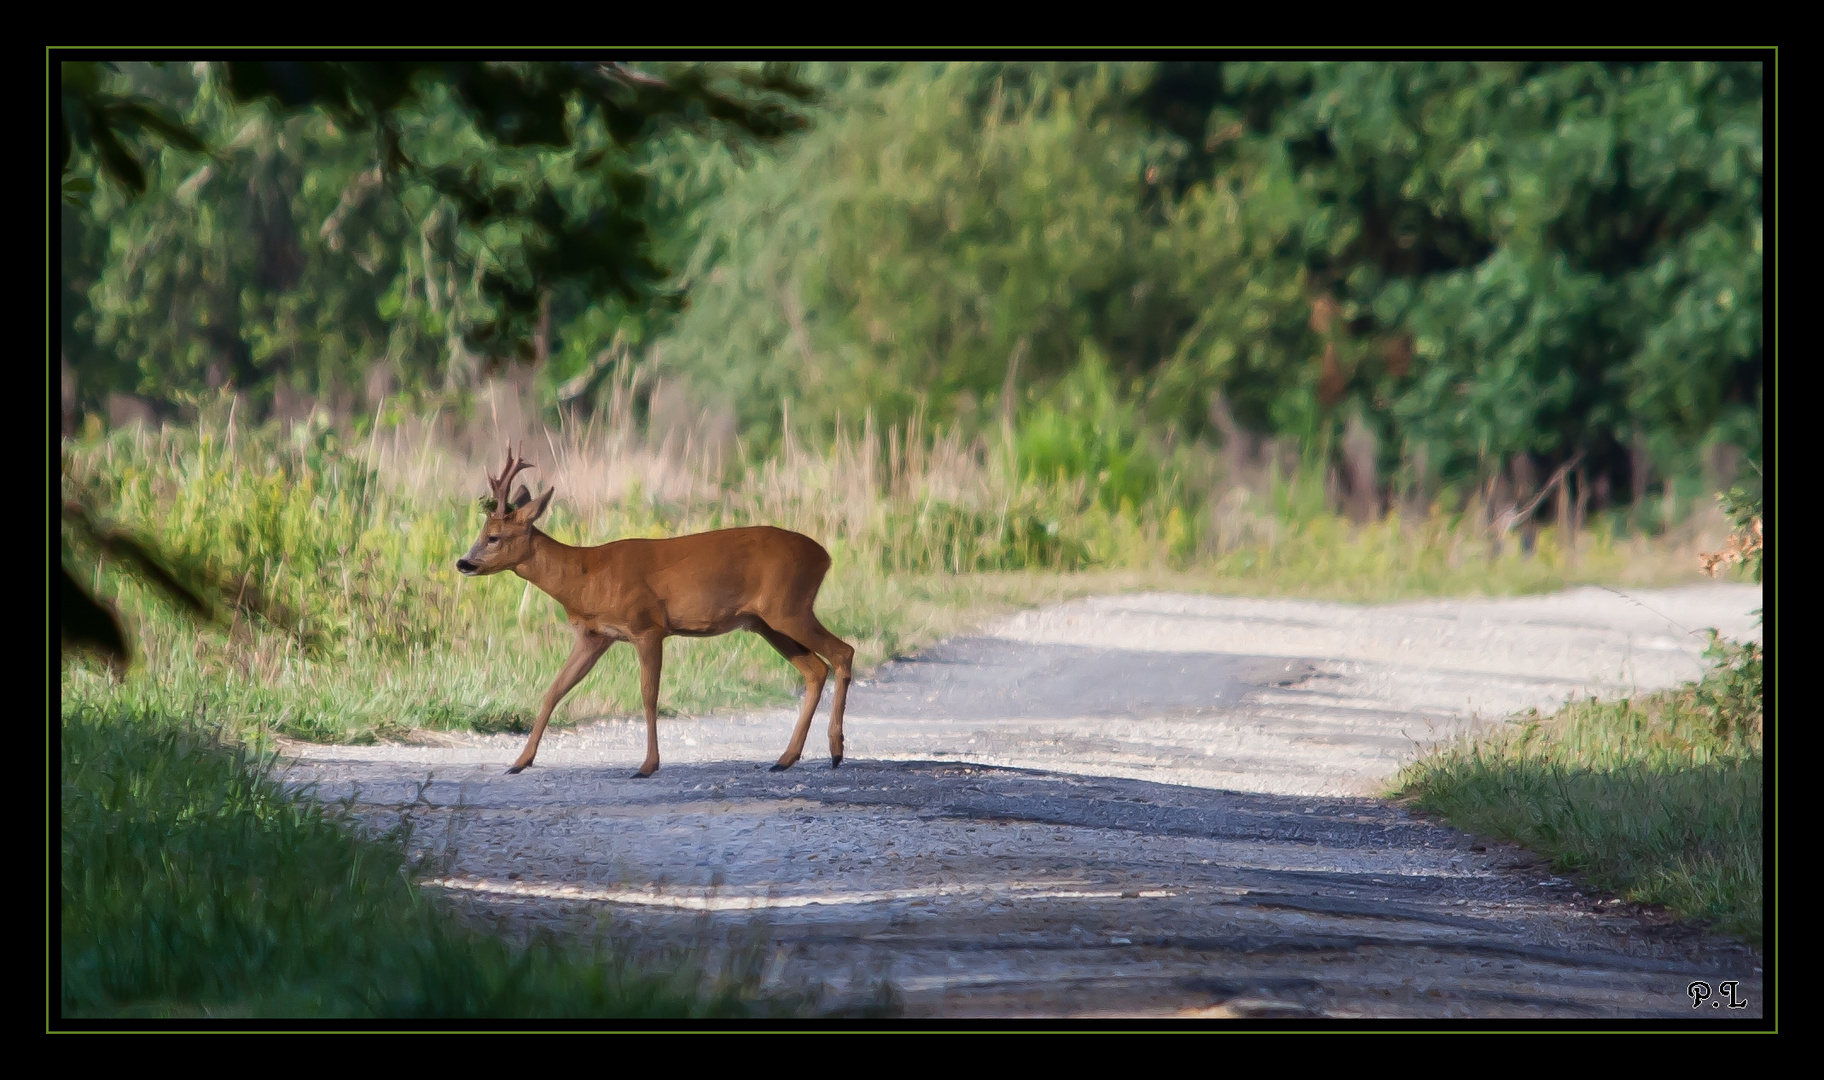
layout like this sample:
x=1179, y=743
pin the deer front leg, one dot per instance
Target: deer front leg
x=589, y=648
x=652, y=659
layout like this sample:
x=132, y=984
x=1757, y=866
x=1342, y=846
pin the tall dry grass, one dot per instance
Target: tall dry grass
x=333, y=546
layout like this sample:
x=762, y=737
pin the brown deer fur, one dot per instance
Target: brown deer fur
x=642, y=591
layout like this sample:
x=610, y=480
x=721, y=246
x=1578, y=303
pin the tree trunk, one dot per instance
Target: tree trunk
x=1359, y=451
x=541, y=339
x=379, y=383
x=1577, y=510
x=1639, y=468
x=1241, y=457
x=1497, y=500
x=69, y=397
x=1010, y=386
x=1526, y=482
x=1720, y=466
x=1420, y=495
x=1566, y=529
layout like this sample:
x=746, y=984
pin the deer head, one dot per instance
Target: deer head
x=506, y=535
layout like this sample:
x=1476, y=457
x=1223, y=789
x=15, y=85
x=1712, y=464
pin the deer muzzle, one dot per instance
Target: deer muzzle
x=465, y=567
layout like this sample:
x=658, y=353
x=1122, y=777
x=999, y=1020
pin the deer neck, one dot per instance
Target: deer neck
x=555, y=569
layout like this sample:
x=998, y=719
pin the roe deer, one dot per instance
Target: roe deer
x=642, y=591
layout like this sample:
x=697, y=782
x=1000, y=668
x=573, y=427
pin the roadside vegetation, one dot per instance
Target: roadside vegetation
x=1659, y=798
x=346, y=621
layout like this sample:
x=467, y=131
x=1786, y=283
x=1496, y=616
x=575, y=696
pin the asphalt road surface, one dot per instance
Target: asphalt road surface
x=1154, y=805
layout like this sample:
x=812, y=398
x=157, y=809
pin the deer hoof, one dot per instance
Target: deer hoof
x=836, y=762
x=779, y=768
x=515, y=768
x=640, y=776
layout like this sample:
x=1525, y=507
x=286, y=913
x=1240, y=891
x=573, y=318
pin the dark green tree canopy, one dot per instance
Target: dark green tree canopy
x=1470, y=265
x=1475, y=261
x=1521, y=257
x=520, y=125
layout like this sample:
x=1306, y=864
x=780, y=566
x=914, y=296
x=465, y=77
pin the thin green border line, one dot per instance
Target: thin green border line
x=1769, y=959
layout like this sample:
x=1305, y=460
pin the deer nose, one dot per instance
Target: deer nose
x=465, y=566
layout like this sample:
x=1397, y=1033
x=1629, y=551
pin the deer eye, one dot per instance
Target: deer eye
x=493, y=539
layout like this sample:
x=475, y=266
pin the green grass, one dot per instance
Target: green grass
x=1658, y=798
x=194, y=886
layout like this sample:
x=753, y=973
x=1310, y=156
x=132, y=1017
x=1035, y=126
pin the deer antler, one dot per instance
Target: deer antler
x=502, y=483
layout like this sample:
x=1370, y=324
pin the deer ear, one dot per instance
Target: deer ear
x=538, y=507
x=520, y=498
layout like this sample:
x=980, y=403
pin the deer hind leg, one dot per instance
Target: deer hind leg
x=589, y=648
x=814, y=670
x=806, y=629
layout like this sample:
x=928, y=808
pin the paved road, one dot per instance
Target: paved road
x=1151, y=805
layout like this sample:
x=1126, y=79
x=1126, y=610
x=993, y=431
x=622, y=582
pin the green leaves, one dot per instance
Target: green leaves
x=129, y=549
x=96, y=121
x=76, y=189
x=1087, y=429
x=901, y=252
x=88, y=624
x=1560, y=239
x=1732, y=694
x=1512, y=257
x=533, y=238
x=1742, y=504
x=504, y=187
